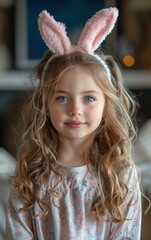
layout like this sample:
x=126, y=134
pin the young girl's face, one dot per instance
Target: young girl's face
x=77, y=106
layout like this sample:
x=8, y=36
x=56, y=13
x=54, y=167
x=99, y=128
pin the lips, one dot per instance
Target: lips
x=75, y=124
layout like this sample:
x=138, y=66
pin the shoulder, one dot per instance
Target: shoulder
x=14, y=199
x=131, y=175
x=8, y=163
x=132, y=181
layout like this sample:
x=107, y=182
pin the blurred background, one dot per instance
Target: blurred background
x=21, y=47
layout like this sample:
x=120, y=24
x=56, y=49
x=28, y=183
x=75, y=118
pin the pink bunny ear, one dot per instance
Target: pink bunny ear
x=53, y=33
x=97, y=28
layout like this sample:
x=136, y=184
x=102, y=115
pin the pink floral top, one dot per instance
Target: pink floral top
x=70, y=216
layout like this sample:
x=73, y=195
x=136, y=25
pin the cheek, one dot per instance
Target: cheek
x=95, y=115
x=56, y=115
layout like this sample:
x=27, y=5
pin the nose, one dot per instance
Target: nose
x=75, y=110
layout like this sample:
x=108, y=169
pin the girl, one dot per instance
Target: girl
x=75, y=178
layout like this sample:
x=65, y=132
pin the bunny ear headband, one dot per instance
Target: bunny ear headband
x=93, y=34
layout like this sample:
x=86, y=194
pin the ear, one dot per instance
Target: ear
x=54, y=34
x=97, y=28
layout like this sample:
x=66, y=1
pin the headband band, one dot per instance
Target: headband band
x=93, y=34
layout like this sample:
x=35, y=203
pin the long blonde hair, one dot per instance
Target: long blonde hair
x=109, y=153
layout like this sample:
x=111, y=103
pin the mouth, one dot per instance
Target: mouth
x=75, y=124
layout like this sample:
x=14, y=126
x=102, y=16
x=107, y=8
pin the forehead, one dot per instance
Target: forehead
x=77, y=76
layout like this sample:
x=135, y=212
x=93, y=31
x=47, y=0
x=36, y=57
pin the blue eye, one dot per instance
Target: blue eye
x=62, y=99
x=89, y=99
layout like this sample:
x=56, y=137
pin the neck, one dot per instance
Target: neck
x=72, y=153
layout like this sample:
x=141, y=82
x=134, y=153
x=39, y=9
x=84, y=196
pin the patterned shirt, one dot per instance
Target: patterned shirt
x=70, y=216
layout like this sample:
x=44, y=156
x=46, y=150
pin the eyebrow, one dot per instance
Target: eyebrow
x=83, y=92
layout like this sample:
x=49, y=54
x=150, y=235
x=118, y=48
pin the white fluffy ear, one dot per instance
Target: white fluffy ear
x=97, y=28
x=54, y=34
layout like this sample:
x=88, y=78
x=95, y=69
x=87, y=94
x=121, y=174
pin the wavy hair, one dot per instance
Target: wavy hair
x=110, y=150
